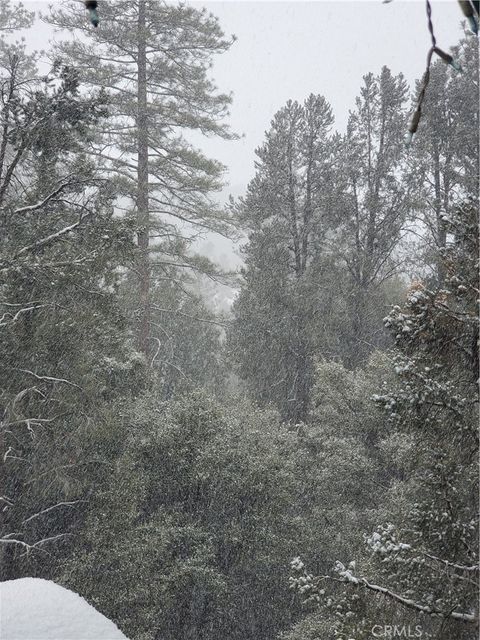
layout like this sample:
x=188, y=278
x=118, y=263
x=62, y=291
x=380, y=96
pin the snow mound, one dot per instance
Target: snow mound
x=35, y=609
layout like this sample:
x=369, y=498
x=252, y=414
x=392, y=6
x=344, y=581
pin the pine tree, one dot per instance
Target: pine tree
x=444, y=158
x=153, y=58
x=286, y=304
x=374, y=204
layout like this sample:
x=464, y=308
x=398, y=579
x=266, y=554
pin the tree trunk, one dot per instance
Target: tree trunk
x=441, y=234
x=302, y=392
x=143, y=226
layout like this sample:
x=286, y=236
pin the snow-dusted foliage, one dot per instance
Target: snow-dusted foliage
x=427, y=562
x=166, y=456
x=64, y=347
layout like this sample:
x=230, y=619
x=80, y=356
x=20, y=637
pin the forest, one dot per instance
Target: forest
x=301, y=464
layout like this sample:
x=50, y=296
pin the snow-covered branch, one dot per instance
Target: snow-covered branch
x=36, y=545
x=52, y=237
x=49, y=378
x=453, y=565
x=46, y=200
x=470, y=618
x=308, y=585
x=48, y=509
x=9, y=318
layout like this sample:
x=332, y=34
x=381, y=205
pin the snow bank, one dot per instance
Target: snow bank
x=35, y=609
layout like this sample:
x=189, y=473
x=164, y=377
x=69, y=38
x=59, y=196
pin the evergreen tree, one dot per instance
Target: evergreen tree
x=444, y=162
x=153, y=57
x=187, y=336
x=65, y=349
x=13, y=18
x=373, y=206
x=287, y=305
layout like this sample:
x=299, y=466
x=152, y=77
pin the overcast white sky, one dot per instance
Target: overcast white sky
x=291, y=49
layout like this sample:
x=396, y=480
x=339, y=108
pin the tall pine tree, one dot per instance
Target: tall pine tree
x=373, y=206
x=154, y=59
x=286, y=307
